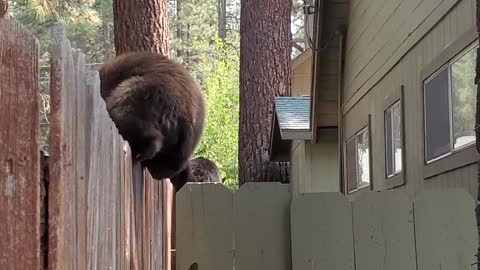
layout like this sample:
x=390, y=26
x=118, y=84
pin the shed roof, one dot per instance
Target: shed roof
x=291, y=121
x=293, y=115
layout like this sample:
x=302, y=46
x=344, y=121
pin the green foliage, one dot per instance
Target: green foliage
x=221, y=90
x=82, y=20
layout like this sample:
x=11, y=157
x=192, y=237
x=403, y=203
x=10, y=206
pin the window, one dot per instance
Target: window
x=449, y=97
x=358, y=161
x=393, y=140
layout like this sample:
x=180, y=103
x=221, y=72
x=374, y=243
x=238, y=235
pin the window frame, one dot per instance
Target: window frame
x=397, y=97
x=447, y=66
x=365, y=128
x=465, y=154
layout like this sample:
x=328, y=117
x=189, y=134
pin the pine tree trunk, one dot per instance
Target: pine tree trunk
x=179, y=29
x=107, y=46
x=141, y=25
x=222, y=19
x=4, y=9
x=477, y=127
x=265, y=39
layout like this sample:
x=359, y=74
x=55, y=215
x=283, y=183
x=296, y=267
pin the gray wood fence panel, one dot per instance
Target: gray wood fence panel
x=384, y=231
x=204, y=227
x=262, y=227
x=322, y=232
x=446, y=230
x=19, y=149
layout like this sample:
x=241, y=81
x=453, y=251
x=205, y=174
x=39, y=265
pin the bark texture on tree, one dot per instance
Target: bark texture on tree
x=4, y=9
x=477, y=125
x=265, y=65
x=141, y=25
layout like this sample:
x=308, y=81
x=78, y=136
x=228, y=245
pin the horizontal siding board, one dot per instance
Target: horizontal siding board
x=407, y=72
x=395, y=49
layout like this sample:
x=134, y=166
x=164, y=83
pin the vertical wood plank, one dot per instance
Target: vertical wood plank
x=322, y=232
x=446, y=230
x=93, y=173
x=60, y=245
x=384, y=231
x=262, y=227
x=19, y=149
x=204, y=227
x=80, y=146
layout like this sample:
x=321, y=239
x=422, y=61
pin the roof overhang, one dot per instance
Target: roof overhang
x=291, y=121
x=318, y=35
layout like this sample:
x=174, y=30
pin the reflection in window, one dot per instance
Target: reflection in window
x=358, y=161
x=463, y=99
x=393, y=140
x=450, y=106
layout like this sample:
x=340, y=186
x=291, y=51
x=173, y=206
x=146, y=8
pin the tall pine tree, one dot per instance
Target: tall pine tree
x=265, y=63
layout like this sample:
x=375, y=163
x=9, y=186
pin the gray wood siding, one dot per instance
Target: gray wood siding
x=382, y=31
x=465, y=178
x=361, y=61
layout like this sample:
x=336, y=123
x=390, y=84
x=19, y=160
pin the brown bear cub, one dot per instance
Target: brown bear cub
x=157, y=107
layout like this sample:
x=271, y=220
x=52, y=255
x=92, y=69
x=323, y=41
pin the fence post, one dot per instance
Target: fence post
x=19, y=149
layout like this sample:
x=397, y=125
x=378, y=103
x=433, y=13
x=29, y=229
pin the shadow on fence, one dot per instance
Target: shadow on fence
x=95, y=210
x=260, y=227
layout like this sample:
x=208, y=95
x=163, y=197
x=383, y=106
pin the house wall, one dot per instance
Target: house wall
x=390, y=43
x=314, y=167
x=302, y=77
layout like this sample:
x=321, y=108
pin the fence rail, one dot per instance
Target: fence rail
x=261, y=227
x=101, y=211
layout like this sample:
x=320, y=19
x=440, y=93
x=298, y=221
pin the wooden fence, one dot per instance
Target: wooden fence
x=261, y=227
x=96, y=210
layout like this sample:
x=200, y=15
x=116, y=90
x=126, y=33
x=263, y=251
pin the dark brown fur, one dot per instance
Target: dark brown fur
x=158, y=108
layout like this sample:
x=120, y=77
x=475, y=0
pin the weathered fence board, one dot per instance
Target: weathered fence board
x=100, y=211
x=19, y=149
x=205, y=226
x=58, y=221
x=80, y=155
x=445, y=237
x=262, y=226
x=322, y=232
x=384, y=231
x=104, y=213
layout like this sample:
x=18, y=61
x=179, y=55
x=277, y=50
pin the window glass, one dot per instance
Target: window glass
x=351, y=165
x=397, y=137
x=363, y=159
x=463, y=99
x=437, y=115
x=393, y=140
x=389, y=158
